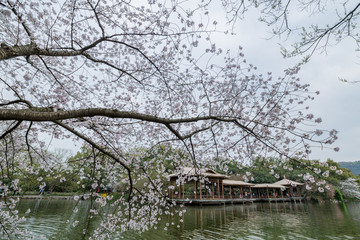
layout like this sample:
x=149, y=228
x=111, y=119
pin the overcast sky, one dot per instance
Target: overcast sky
x=338, y=103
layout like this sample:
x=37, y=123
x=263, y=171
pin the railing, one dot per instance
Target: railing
x=207, y=197
x=192, y=196
x=216, y=197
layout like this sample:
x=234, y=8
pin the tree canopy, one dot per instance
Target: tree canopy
x=124, y=77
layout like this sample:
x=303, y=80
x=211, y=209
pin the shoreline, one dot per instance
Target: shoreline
x=40, y=197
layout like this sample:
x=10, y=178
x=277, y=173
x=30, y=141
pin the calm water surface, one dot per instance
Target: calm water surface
x=250, y=221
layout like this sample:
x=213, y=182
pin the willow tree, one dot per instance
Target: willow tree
x=127, y=75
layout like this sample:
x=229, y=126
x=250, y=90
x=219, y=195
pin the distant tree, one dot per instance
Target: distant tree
x=119, y=75
x=354, y=167
x=350, y=188
x=320, y=178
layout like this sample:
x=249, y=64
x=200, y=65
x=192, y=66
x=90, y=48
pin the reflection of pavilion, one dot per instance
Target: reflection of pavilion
x=205, y=186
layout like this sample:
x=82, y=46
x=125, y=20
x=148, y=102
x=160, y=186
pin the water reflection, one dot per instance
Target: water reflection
x=249, y=221
x=266, y=221
x=254, y=221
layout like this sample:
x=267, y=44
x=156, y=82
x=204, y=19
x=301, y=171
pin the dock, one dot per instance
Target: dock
x=234, y=201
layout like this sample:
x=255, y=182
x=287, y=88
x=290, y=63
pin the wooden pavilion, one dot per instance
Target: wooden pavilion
x=196, y=184
x=268, y=190
x=206, y=186
x=238, y=189
x=292, y=188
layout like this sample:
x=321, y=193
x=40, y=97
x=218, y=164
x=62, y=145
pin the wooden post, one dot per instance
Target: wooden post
x=213, y=193
x=298, y=191
x=218, y=185
x=241, y=192
x=183, y=191
x=179, y=193
x=230, y=192
x=274, y=192
x=250, y=193
x=195, y=188
x=222, y=189
x=267, y=191
x=200, y=190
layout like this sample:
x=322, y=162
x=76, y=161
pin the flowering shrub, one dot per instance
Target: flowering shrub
x=350, y=188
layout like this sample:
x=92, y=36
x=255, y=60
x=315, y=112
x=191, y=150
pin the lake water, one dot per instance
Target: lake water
x=249, y=221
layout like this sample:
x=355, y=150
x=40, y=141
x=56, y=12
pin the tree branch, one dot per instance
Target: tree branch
x=102, y=150
x=11, y=129
x=46, y=115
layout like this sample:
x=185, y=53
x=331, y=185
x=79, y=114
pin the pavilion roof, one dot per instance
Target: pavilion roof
x=236, y=183
x=287, y=182
x=268, y=185
x=191, y=171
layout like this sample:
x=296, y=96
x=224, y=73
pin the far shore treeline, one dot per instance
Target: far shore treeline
x=75, y=174
x=354, y=167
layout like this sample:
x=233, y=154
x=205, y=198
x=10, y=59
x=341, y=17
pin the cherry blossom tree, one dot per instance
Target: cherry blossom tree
x=128, y=75
x=330, y=22
x=350, y=188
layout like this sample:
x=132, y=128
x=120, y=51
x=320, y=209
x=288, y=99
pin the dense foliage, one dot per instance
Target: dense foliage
x=320, y=177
